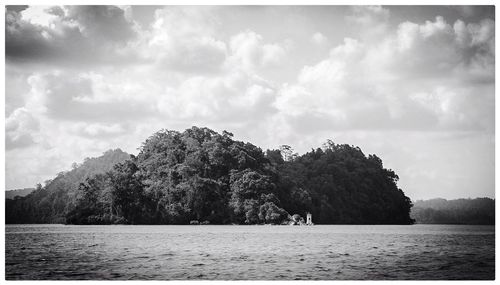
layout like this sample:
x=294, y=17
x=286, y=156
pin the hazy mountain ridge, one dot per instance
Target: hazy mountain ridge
x=457, y=211
x=11, y=194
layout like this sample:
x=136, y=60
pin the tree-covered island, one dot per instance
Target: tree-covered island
x=201, y=176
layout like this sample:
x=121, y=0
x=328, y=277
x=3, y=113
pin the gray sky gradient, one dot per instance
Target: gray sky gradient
x=412, y=84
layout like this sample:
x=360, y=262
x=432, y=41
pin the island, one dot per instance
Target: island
x=205, y=177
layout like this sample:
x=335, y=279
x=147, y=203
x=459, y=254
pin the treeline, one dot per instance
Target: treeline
x=52, y=202
x=480, y=211
x=201, y=175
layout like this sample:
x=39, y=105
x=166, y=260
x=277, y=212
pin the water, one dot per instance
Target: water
x=250, y=252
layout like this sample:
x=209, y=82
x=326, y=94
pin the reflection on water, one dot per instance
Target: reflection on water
x=250, y=252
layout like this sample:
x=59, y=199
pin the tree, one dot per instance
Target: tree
x=272, y=214
x=127, y=193
x=90, y=208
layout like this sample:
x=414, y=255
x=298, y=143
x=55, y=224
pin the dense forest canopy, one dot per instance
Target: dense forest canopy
x=459, y=211
x=201, y=175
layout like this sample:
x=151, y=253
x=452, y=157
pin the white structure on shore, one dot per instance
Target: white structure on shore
x=309, y=219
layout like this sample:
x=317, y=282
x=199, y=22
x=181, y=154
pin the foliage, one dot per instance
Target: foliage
x=201, y=175
x=338, y=184
x=205, y=176
x=52, y=202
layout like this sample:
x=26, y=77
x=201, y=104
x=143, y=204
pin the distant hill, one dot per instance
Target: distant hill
x=459, y=211
x=201, y=176
x=50, y=203
x=10, y=194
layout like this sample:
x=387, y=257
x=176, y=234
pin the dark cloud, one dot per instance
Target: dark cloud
x=25, y=41
x=77, y=35
x=476, y=13
x=16, y=8
x=101, y=23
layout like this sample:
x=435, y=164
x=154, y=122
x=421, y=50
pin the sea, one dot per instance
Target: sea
x=260, y=252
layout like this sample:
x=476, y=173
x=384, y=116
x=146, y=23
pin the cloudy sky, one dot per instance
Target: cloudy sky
x=414, y=85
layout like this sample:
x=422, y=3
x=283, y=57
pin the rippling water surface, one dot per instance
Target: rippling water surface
x=250, y=252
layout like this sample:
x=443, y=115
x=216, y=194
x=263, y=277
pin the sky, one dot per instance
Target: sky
x=412, y=84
